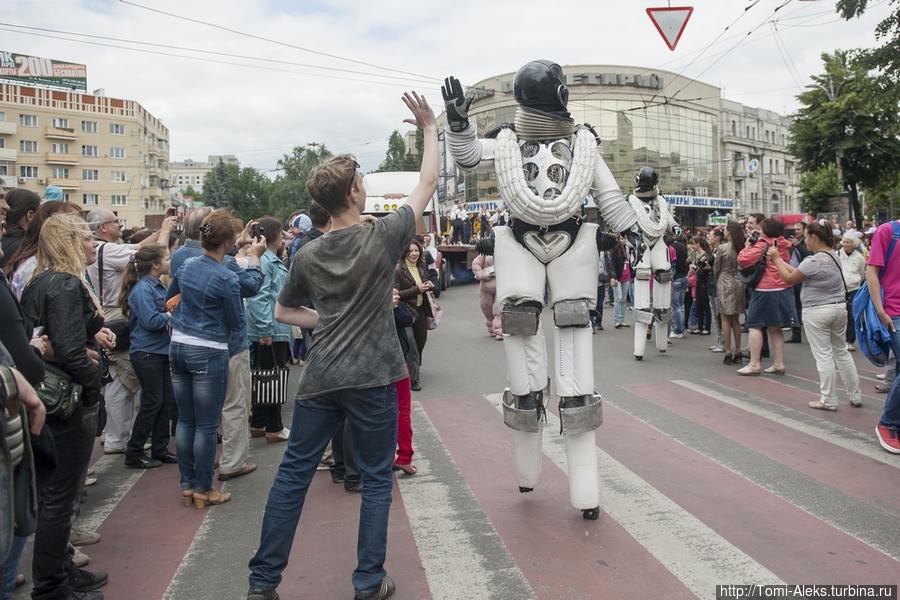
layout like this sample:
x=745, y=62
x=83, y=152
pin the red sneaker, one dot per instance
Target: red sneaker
x=888, y=438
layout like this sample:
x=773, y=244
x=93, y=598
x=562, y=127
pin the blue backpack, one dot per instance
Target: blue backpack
x=873, y=338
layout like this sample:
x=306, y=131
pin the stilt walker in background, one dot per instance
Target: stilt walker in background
x=546, y=167
x=654, y=221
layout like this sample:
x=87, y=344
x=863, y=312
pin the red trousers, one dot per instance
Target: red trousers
x=404, y=422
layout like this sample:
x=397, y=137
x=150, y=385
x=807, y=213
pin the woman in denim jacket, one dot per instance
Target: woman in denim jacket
x=206, y=316
x=270, y=341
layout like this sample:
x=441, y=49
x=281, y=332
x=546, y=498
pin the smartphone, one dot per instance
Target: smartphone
x=37, y=331
x=257, y=230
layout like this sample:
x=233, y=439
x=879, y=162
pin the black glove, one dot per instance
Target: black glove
x=456, y=103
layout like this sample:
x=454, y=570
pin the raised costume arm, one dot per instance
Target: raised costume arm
x=467, y=150
x=614, y=207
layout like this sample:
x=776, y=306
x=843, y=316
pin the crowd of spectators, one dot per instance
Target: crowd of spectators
x=147, y=335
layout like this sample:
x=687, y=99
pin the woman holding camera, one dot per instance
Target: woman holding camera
x=270, y=341
x=771, y=301
x=824, y=314
x=411, y=279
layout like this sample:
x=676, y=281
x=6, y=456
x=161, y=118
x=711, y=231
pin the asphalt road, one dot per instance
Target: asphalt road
x=707, y=479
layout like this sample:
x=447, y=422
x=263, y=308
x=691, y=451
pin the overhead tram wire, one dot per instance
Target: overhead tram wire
x=216, y=53
x=277, y=42
x=721, y=33
x=784, y=57
x=208, y=60
x=727, y=52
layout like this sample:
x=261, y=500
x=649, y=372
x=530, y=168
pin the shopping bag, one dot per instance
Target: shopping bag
x=268, y=386
x=437, y=312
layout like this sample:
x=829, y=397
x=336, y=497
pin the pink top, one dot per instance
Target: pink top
x=750, y=255
x=890, y=279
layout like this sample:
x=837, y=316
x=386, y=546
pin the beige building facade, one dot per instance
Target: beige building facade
x=102, y=152
x=191, y=173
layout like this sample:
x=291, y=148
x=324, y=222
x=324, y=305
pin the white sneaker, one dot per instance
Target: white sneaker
x=80, y=559
x=676, y=336
x=281, y=436
x=716, y=349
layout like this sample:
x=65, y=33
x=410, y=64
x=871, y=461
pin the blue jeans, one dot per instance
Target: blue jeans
x=621, y=293
x=200, y=381
x=891, y=414
x=372, y=414
x=11, y=567
x=679, y=286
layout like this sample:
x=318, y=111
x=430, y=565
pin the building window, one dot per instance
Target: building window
x=28, y=120
x=89, y=151
x=89, y=126
x=116, y=152
x=28, y=172
x=116, y=129
x=119, y=200
x=748, y=132
x=28, y=146
x=90, y=199
x=2, y=143
x=733, y=127
x=3, y=170
x=60, y=122
x=60, y=172
x=2, y=116
x=119, y=176
x=90, y=174
x=60, y=148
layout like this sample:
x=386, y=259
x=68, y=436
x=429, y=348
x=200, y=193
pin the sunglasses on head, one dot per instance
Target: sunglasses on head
x=356, y=172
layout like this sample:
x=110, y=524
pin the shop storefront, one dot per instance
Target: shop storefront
x=700, y=211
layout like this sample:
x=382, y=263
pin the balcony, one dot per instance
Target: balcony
x=9, y=154
x=153, y=151
x=66, y=184
x=62, y=159
x=58, y=133
x=7, y=128
x=153, y=191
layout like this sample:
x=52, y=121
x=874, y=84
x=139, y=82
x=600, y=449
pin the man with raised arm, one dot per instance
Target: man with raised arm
x=340, y=286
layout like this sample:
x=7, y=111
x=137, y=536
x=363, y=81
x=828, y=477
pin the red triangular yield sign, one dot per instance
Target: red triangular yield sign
x=670, y=22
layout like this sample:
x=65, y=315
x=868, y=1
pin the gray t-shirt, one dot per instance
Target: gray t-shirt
x=824, y=283
x=347, y=277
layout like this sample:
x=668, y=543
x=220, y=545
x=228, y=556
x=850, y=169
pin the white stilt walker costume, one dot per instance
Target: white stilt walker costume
x=654, y=220
x=546, y=167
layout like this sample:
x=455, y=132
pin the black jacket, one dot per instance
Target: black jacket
x=11, y=241
x=617, y=258
x=60, y=303
x=681, y=260
x=16, y=335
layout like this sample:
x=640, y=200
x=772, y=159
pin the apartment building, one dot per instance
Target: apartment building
x=103, y=152
x=761, y=173
x=189, y=172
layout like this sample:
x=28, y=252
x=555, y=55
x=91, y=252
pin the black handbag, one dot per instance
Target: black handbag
x=751, y=275
x=268, y=387
x=60, y=395
x=119, y=325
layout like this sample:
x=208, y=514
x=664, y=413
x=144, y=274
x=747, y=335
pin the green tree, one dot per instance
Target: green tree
x=245, y=191
x=886, y=57
x=288, y=191
x=848, y=118
x=395, y=159
x=190, y=192
x=819, y=188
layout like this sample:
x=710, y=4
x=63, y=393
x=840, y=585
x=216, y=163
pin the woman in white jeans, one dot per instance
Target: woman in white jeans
x=823, y=297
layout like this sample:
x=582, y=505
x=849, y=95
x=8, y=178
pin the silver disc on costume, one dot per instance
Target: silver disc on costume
x=546, y=166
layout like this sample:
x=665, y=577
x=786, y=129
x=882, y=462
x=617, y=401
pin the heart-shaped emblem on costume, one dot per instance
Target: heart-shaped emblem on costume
x=547, y=246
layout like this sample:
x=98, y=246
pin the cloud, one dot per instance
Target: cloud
x=259, y=114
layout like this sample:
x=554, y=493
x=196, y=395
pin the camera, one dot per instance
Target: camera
x=257, y=230
x=754, y=237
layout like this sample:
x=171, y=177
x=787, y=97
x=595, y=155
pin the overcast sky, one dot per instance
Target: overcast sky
x=262, y=111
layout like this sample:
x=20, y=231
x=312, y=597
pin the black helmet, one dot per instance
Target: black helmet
x=646, y=179
x=541, y=85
